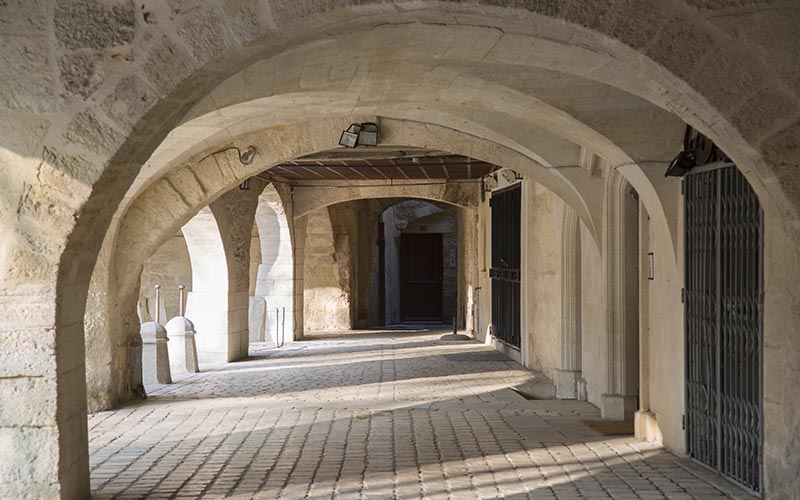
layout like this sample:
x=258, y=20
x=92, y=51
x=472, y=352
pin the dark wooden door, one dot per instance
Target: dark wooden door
x=421, y=277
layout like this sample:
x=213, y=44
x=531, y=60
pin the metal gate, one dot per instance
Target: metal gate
x=723, y=308
x=506, y=259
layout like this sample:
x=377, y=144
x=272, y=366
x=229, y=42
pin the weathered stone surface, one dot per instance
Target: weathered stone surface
x=166, y=66
x=90, y=131
x=129, y=101
x=203, y=30
x=703, y=65
x=80, y=73
x=92, y=24
x=23, y=16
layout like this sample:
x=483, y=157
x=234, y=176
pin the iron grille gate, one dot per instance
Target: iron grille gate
x=505, y=270
x=723, y=308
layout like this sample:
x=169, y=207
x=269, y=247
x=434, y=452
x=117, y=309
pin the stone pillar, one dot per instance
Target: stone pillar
x=620, y=400
x=182, y=349
x=155, y=357
x=568, y=373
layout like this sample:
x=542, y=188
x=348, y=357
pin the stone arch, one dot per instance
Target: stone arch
x=458, y=195
x=207, y=303
x=439, y=212
x=70, y=233
x=276, y=281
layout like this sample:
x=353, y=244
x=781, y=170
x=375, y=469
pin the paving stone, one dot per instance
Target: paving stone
x=381, y=415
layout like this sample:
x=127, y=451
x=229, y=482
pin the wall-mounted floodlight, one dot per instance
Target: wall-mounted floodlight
x=680, y=165
x=368, y=134
x=489, y=183
x=349, y=138
x=360, y=134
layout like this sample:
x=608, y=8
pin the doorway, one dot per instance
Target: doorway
x=723, y=311
x=421, y=277
x=506, y=263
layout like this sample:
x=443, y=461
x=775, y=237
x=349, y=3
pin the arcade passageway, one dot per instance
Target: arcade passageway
x=375, y=414
x=601, y=195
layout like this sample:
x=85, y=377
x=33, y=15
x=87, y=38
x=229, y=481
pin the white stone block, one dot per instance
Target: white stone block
x=257, y=315
x=155, y=356
x=182, y=349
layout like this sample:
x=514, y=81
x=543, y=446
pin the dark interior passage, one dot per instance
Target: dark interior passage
x=421, y=277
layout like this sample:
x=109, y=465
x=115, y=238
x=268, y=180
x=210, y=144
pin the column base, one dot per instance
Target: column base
x=566, y=382
x=647, y=428
x=582, y=390
x=618, y=407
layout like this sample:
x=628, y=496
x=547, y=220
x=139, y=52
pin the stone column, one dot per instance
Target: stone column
x=568, y=372
x=620, y=400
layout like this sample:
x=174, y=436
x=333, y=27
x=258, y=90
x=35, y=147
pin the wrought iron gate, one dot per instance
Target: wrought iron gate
x=723, y=308
x=506, y=259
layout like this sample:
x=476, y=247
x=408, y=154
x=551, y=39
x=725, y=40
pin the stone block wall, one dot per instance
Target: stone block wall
x=327, y=273
x=170, y=267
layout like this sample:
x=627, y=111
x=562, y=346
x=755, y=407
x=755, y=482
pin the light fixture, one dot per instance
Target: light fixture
x=245, y=157
x=680, y=165
x=349, y=138
x=511, y=175
x=360, y=134
x=368, y=134
x=489, y=183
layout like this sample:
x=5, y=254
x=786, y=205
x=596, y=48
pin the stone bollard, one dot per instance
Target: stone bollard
x=183, y=349
x=155, y=357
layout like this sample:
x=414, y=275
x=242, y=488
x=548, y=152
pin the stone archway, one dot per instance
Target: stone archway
x=276, y=281
x=61, y=139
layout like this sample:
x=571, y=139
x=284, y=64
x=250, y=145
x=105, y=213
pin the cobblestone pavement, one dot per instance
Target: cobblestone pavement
x=381, y=415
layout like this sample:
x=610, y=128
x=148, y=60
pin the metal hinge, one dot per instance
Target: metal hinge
x=682, y=183
x=683, y=422
x=683, y=295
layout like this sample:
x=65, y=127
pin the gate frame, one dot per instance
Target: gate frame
x=719, y=165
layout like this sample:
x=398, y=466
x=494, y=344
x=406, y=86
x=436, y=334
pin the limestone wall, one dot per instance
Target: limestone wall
x=279, y=278
x=541, y=238
x=327, y=273
x=94, y=87
x=170, y=267
x=594, y=347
